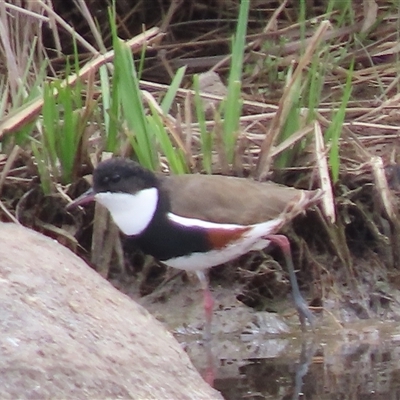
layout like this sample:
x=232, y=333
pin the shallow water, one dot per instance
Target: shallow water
x=360, y=361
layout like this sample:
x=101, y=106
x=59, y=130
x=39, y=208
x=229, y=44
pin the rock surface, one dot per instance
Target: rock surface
x=65, y=332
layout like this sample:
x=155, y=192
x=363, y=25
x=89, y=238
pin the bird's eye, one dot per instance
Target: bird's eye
x=115, y=178
x=110, y=179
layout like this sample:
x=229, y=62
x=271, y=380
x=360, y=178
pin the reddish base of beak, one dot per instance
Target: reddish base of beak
x=84, y=198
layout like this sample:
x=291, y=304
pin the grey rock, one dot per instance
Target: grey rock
x=65, y=332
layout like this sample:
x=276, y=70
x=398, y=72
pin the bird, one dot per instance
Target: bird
x=194, y=222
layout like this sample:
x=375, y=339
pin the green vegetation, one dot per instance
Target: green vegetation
x=113, y=103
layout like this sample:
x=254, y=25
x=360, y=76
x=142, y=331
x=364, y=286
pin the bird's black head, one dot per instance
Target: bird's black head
x=121, y=175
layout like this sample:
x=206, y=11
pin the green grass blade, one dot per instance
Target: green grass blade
x=108, y=103
x=50, y=123
x=233, y=109
x=233, y=105
x=68, y=99
x=285, y=159
x=43, y=168
x=130, y=99
x=175, y=157
x=172, y=89
x=315, y=83
x=131, y=102
x=334, y=131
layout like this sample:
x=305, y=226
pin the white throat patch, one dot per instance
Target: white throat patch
x=131, y=212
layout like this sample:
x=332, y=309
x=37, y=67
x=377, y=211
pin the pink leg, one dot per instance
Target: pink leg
x=301, y=305
x=210, y=372
x=208, y=304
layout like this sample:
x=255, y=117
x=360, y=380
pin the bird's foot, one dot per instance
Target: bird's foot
x=305, y=314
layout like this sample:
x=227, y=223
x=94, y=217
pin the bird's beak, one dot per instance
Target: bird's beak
x=84, y=198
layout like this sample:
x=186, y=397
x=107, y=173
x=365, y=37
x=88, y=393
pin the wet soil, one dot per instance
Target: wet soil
x=262, y=355
x=357, y=362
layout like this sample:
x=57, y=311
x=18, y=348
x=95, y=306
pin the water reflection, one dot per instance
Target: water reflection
x=301, y=367
x=270, y=378
x=361, y=362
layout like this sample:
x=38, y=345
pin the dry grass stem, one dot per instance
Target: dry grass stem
x=31, y=110
x=328, y=203
x=284, y=106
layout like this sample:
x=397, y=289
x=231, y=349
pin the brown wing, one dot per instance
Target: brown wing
x=225, y=199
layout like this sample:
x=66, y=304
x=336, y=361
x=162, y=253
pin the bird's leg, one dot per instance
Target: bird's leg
x=210, y=372
x=208, y=304
x=301, y=305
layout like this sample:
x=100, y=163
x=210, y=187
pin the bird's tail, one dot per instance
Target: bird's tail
x=305, y=200
x=301, y=203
